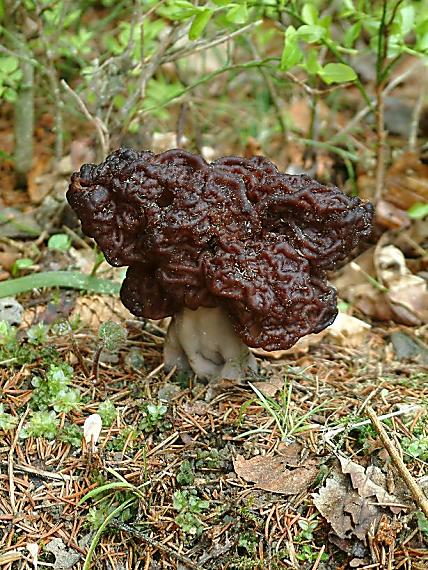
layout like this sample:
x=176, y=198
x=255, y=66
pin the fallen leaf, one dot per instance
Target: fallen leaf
x=369, y=482
x=269, y=473
x=406, y=293
x=65, y=558
x=347, y=330
x=331, y=501
x=97, y=309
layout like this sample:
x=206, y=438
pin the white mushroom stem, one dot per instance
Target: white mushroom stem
x=204, y=341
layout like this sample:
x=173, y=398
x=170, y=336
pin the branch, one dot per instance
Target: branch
x=101, y=129
x=415, y=490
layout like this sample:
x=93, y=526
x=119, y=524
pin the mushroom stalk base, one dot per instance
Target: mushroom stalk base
x=204, y=341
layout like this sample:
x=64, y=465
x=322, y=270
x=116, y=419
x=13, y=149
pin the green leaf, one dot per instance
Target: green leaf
x=181, y=10
x=291, y=54
x=199, y=23
x=422, y=522
x=421, y=32
x=418, y=211
x=312, y=65
x=407, y=14
x=59, y=241
x=237, y=14
x=310, y=14
x=337, y=73
x=352, y=34
x=8, y=64
x=311, y=34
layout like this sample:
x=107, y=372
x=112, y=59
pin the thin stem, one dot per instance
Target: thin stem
x=96, y=362
x=100, y=128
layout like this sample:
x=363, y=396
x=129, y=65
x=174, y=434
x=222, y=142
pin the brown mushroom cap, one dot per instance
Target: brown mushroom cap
x=235, y=233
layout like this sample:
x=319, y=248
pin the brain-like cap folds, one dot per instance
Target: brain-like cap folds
x=235, y=233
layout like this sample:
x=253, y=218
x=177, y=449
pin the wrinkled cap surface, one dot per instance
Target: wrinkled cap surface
x=236, y=233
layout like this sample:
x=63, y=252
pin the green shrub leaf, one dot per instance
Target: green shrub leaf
x=337, y=73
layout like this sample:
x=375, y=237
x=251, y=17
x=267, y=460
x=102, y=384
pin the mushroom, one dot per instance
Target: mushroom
x=235, y=251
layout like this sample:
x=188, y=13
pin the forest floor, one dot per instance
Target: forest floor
x=284, y=472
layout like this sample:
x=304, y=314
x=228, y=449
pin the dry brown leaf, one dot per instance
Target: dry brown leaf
x=407, y=181
x=331, y=500
x=96, y=309
x=390, y=217
x=347, y=512
x=407, y=294
x=369, y=482
x=270, y=474
x=347, y=330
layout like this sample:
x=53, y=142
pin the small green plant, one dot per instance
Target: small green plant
x=21, y=266
x=189, y=506
x=422, y=523
x=7, y=334
x=153, y=418
x=287, y=422
x=61, y=242
x=107, y=411
x=72, y=434
x=185, y=475
x=53, y=390
x=418, y=211
x=38, y=334
x=111, y=336
x=127, y=434
x=7, y=421
x=18, y=352
x=416, y=448
x=41, y=424
x=10, y=77
x=248, y=540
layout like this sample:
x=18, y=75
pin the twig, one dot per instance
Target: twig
x=102, y=132
x=155, y=543
x=205, y=45
x=276, y=100
x=413, y=487
x=49, y=475
x=332, y=432
x=356, y=121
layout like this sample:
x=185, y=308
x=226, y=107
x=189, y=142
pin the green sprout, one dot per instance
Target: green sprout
x=41, y=424
x=154, y=417
x=189, y=506
x=107, y=411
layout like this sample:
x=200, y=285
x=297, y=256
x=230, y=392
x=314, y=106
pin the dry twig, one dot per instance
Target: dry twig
x=413, y=487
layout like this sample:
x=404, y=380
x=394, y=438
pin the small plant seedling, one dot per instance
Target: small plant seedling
x=53, y=390
x=185, y=475
x=21, y=265
x=38, y=334
x=41, y=424
x=154, y=417
x=107, y=411
x=7, y=334
x=72, y=434
x=60, y=242
x=111, y=336
x=189, y=505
